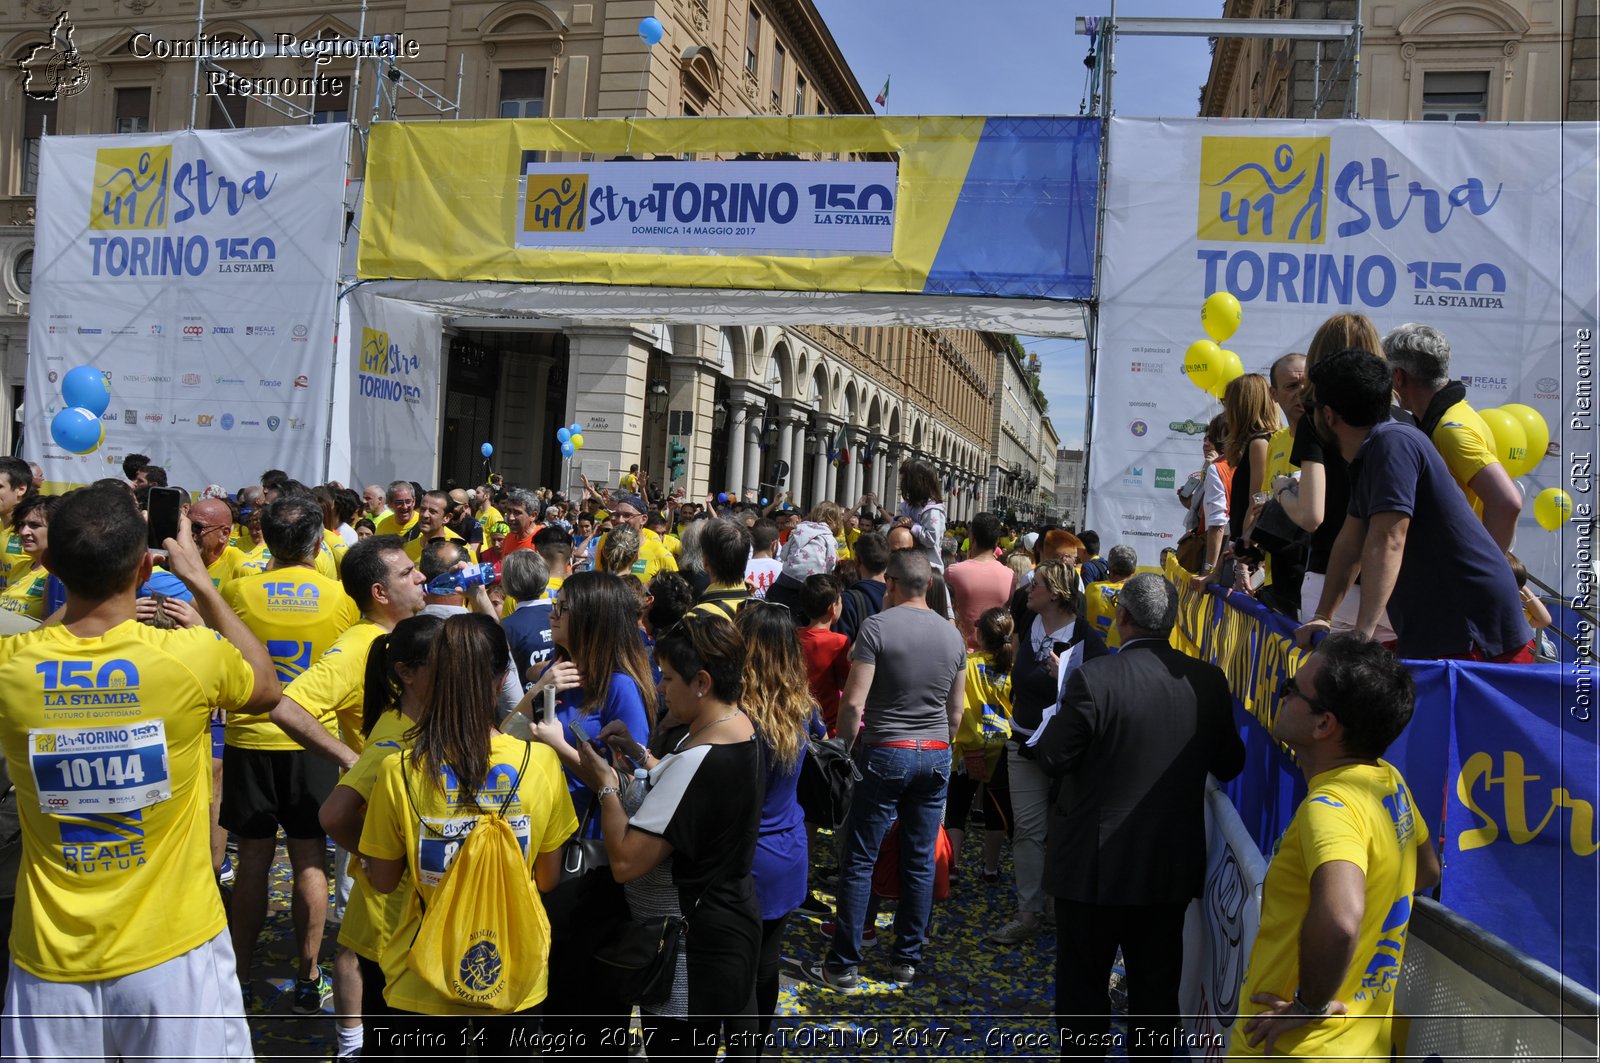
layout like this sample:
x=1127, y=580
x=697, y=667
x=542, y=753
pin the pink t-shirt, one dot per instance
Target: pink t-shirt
x=976, y=586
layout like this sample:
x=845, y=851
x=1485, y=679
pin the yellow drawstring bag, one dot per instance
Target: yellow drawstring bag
x=484, y=937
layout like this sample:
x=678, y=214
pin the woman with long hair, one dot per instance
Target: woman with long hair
x=1251, y=418
x=460, y=768
x=397, y=682
x=1318, y=503
x=777, y=698
x=922, y=509
x=601, y=677
x=702, y=810
x=1053, y=641
x=620, y=551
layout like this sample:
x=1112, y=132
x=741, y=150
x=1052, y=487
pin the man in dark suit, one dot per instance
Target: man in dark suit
x=1132, y=742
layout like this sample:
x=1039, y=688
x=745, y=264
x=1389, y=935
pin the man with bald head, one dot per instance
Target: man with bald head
x=211, y=521
x=372, y=500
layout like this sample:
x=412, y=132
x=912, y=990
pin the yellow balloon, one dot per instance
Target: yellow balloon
x=1551, y=508
x=1229, y=369
x=1201, y=362
x=1510, y=441
x=1220, y=315
x=577, y=442
x=1537, y=431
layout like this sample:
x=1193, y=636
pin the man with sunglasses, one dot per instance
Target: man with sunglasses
x=654, y=556
x=211, y=524
x=1337, y=899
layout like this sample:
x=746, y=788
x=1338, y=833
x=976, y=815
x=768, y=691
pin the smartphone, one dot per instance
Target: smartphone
x=163, y=505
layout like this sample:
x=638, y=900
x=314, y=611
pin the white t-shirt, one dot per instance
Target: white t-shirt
x=760, y=572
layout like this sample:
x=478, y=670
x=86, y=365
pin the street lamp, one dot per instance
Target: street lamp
x=719, y=415
x=656, y=398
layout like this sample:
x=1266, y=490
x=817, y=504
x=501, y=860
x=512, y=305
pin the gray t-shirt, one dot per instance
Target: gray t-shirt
x=917, y=655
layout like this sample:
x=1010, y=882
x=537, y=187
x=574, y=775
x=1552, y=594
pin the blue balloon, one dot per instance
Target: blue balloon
x=567, y=450
x=651, y=30
x=75, y=429
x=577, y=429
x=486, y=450
x=563, y=435
x=722, y=496
x=85, y=387
x=763, y=501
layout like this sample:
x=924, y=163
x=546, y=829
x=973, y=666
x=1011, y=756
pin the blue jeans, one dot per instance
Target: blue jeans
x=910, y=784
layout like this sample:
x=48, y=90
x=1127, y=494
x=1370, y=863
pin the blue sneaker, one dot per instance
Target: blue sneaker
x=311, y=995
x=226, y=873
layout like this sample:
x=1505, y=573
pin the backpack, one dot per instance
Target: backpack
x=828, y=777
x=484, y=939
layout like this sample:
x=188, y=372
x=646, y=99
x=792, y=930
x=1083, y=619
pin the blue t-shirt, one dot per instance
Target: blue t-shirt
x=528, y=631
x=781, y=859
x=623, y=702
x=1455, y=589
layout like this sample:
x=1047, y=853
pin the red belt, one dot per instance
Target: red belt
x=912, y=743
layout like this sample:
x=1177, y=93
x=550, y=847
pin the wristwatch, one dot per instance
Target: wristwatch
x=1306, y=1009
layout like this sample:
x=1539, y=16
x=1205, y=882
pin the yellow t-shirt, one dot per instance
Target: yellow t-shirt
x=389, y=524
x=541, y=815
x=335, y=683
x=370, y=915
x=986, y=719
x=414, y=547
x=1100, y=608
x=1467, y=446
x=489, y=516
x=10, y=549
x=1362, y=814
x=653, y=556
x=1278, y=464
x=298, y=614
x=24, y=591
x=629, y=483
x=113, y=734
x=222, y=569
x=256, y=562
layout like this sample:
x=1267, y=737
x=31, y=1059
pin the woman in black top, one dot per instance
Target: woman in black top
x=702, y=810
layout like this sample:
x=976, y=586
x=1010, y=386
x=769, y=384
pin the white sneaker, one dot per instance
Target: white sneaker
x=1020, y=929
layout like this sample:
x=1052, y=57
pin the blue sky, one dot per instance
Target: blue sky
x=1020, y=57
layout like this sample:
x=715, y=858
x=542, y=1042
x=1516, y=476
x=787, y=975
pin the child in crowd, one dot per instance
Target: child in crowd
x=980, y=745
x=827, y=652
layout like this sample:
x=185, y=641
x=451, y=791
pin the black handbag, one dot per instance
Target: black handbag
x=642, y=958
x=827, y=779
x=586, y=896
x=1275, y=532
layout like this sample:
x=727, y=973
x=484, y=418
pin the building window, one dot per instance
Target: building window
x=752, y=40
x=227, y=109
x=1455, y=95
x=799, y=94
x=133, y=110
x=334, y=107
x=778, y=76
x=38, y=116
x=22, y=272
x=522, y=93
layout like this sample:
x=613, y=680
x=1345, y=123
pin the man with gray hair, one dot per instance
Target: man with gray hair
x=1100, y=597
x=1419, y=357
x=1132, y=742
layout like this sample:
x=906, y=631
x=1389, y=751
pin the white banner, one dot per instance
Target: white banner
x=196, y=271
x=1220, y=929
x=696, y=207
x=391, y=366
x=1484, y=231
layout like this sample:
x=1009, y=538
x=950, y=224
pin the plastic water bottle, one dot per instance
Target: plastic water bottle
x=641, y=781
x=464, y=579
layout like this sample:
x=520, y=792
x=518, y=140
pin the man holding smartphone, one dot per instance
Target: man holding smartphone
x=121, y=947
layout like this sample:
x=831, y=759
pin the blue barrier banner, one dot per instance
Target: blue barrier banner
x=1520, y=854
x=1501, y=759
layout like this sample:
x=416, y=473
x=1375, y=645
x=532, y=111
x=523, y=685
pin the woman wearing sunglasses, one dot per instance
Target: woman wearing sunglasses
x=702, y=811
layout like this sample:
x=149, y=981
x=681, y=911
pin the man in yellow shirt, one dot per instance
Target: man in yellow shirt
x=120, y=947
x=16, y=480
x=1100, y=597
x=1420, y=358
x=430, y=524
x=1337, y=900
x=211, y=522
x=402, y=499
x=653, y=554
x=268, y=779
